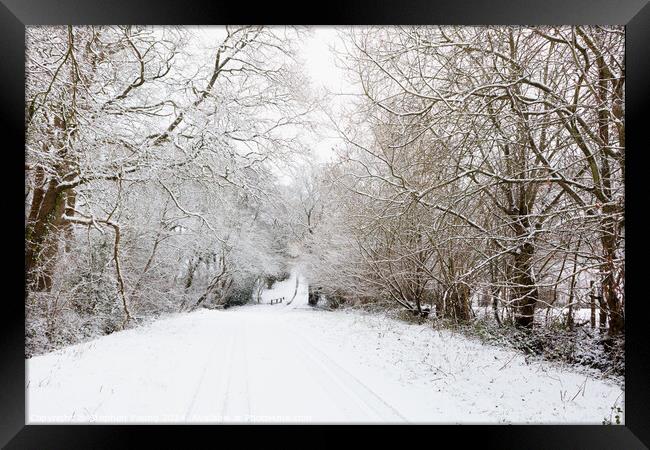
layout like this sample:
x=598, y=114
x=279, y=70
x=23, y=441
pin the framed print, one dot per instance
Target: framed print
x=368, y=214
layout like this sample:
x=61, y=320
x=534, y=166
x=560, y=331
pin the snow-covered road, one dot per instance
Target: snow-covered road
x=263, y=363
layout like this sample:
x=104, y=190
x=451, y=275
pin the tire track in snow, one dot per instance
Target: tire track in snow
x=227, y=376
x=211, y=391
x=242, y=363
x=369, y=397
x=331, y=385
x=199, y=386
x=236, y=405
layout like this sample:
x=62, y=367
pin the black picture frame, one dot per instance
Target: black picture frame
x=16, y=14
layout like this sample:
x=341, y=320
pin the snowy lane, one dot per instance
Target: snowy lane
x=241, y=365
x=265, y=363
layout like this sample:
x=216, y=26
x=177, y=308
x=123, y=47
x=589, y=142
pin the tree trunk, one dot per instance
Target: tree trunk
x=609, y=230
x=526, y=293
x=602, y=312
x=611, y=299
x=41, y=237
x=494, y=293
x=569, y=319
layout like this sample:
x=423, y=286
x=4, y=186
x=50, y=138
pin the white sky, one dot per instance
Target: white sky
x=318, y=55
x=318, y=52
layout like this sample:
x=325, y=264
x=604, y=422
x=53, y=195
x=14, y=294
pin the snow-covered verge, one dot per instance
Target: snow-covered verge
x=268, y=363
x=468, y=381
x=583, y=349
